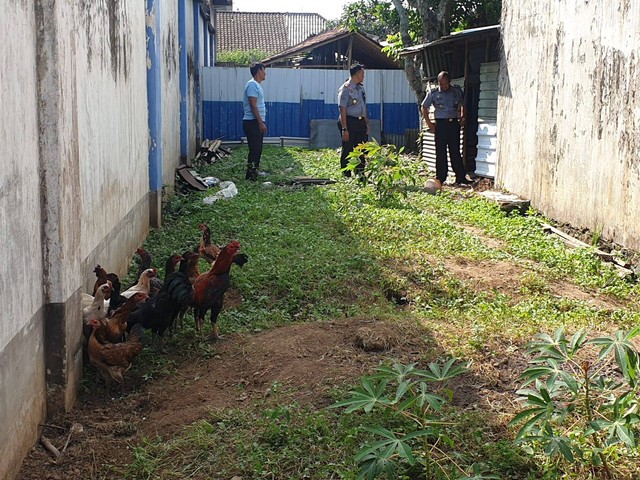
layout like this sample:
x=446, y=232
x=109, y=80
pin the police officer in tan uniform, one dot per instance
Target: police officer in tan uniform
x=354, y=121
x=448, y=101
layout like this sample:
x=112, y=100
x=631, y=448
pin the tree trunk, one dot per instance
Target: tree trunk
x=436, y=22
x=411, y=70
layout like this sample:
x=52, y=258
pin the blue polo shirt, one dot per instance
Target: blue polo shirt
x=253, y=89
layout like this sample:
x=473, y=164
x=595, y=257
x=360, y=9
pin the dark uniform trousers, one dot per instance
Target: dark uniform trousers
x=448, y=137
x=357, y=127
x=254, y=140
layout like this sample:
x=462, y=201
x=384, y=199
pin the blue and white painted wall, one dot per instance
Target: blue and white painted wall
x=295, y=97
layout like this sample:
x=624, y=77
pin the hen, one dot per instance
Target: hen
x=99, y=304
x=143, y=285
x=113, y=359
x=208, y=289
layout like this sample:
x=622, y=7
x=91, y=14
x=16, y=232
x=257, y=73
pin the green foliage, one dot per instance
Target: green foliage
x=386, y=169
x=577, y=406
x=242, y=57
x=413, y=394
x=374, y=17
x=328, y=252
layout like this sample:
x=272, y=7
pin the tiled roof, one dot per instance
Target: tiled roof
x=269, y=32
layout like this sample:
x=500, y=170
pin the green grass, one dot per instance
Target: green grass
x=319, y=253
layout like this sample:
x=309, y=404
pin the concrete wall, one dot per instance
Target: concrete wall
x=569, y=112
x=22, y=374
x=74, y=191
x=194, y=57
x=170, y=90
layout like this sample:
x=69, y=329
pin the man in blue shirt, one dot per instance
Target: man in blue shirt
x=448, y=103
x=255, y=114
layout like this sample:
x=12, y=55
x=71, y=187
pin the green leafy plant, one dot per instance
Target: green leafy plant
x=581, y=407
x=242, y=57
x=386, y=168
x=407, y=393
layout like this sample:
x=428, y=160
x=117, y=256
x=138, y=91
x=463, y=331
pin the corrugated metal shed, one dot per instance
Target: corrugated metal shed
x=462, y=54
x=337, y=48
x=487, y=133
x=268, y=31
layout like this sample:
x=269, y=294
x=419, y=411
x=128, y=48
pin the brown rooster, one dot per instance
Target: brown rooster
x=101, y=278
x=113, y=359
x=116, y=325
x=208, y=289
x=206, y=249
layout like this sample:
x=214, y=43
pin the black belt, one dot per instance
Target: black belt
x=355, y=118
x=447, y=119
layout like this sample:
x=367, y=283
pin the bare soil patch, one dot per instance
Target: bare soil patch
x=306, y=360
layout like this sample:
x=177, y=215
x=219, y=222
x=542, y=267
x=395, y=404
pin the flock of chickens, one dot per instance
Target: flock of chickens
x=114, y=321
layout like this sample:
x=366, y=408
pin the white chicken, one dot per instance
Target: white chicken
x=143, y=285
x=98, y=306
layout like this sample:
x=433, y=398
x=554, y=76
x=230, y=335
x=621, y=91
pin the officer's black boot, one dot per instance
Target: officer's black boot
x=252, y=172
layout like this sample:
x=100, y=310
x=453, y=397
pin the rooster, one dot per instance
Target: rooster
x=208, y=289
x=116, y=325
x=160, y=311
x=101, y=278
x=206, y=249
x=143, y=285
x=145, y=263
x=113, y=359
x=210, y=252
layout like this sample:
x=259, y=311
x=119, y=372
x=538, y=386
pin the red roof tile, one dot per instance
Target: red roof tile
x=269, y=32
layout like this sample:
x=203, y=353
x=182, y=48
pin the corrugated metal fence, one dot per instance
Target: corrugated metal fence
x=295, y=97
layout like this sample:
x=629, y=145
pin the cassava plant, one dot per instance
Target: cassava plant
x=407, y=393
x=386, y=168
x=581, y=399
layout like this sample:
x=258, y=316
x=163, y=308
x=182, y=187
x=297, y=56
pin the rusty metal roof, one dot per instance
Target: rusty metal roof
x=266, y=31
x=453, y=37
x=365, y=50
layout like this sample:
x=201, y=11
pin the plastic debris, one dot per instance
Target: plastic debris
x=227, y=190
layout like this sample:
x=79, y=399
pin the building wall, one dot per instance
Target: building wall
x=170, y=90
x=73, y=191
x=569, y=112
x=194, y=57
x=295, y=97
x=22, y=396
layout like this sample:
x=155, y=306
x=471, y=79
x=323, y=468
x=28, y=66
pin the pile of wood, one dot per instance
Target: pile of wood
x=211, y=151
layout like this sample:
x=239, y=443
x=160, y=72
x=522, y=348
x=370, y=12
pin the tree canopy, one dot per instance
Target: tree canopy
x=402, y=23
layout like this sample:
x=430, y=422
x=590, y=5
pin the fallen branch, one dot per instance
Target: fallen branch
x=49, y=446
x=623, y=267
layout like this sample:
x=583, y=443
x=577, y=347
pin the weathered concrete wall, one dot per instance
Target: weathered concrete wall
x=569, y=112
x=193, y=72
x=112, y=122
x=170, y=90
x=73, y=190
x=22, y=374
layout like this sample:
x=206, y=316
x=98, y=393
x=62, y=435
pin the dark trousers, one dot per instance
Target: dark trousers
x=448, y=137
x=254, y=139
x=357, y=135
